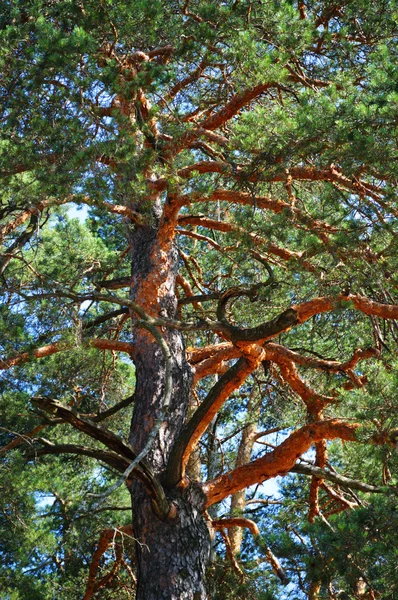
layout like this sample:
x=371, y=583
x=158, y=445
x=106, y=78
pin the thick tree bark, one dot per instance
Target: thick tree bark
x=153, y=287
x=171, y=554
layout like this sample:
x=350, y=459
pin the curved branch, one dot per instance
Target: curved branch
x=114, y=443
x=114, y=460
x=236, y=522
x=281, y=460
x=237, y=292
x=300, y=313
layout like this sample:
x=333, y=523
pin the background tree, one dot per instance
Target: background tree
x=225, y=311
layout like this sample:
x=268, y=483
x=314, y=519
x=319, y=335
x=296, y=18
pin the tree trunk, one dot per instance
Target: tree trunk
x=172, y=554
x=238, y=500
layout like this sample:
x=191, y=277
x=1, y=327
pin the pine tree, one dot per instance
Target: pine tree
x=227, y=306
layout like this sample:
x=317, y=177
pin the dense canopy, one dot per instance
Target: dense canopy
x=198, y=295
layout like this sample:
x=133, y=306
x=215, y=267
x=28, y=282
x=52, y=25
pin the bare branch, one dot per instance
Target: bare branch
x=21, y=438
x=114, y=443
x=113, y=410
x=114, y=460
x=345, y=482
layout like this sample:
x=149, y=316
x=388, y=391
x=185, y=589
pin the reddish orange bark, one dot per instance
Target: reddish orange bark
x=196, y=355
x=101, y=344
x=316, y=483
x=21, y=439
x=234, y=106
x=215, y=364
x=104, y=541
x=280, y=460
x=296, y=173
x=254, y=355
x=236, y=522
x=311, y=398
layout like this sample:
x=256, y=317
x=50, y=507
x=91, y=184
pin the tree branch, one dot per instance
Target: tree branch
x=37, y=209
x=215, y=121
x=224, y=226
x=6, y=258
x=202, y=417
x=140, y=469
x=111, y=411
x=102, y=434
x=104, y=541
x=216, y=363
x=341, y=480
x=114, y=460
x=260, y=334
x=22, y=438
x=220, y=524
x=281, y=460
x=48, y=350
x=300, y=313
x=235, y=105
